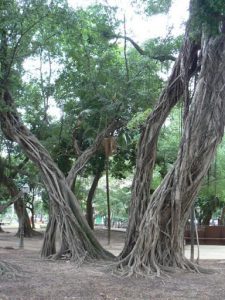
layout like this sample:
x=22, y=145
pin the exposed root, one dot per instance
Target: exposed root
x=31, y=233
x=196, y=268
x=133, y=266
x=9, y=271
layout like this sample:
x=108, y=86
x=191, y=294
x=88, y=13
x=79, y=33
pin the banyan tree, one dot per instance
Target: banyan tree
x=154, y=240
x=156, y=224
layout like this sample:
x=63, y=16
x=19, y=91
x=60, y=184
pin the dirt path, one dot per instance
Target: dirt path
x=43, y=280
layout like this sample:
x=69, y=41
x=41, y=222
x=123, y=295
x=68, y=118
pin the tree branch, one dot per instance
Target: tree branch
x=76, y=147
x=89, y=152
x=146, y=53
x=16, y=47
x=13, y=200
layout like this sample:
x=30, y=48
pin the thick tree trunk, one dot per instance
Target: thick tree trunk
x=160, y=243
x=49, y=247
x=71, y=223
x=184, y=68
x=89, y=205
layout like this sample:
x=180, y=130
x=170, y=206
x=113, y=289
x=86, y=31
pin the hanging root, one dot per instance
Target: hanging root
x=9, y=271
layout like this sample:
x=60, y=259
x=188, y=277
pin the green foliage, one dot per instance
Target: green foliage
x=169, y=141
x=164, y=46
x=138, y=119
x=119, y=199
x=208, y=13
x=123, y=162
x=211, y=198
x=4, y=195
x=153, y=7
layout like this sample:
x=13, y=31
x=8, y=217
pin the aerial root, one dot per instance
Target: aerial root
x=67, y=256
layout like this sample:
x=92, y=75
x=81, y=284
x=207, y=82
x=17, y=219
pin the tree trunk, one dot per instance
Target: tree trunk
x=32, y=218
x=159, y=245
x=31, y=209
x=184, y=68
x=91, y=193
x=20, y=210
x=71, y=223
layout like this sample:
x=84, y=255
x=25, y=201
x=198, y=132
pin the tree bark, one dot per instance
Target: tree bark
x=71, y=223
x=160, y=243
x=184, y=67
x=91, y=193
x=71, y=178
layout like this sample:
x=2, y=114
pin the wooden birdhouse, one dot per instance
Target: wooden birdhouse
x=109, y=144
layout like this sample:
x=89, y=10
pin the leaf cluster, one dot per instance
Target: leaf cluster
x=209, y=15
x=152, y=7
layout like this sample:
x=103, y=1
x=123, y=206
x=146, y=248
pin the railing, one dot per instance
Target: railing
x=208, y=235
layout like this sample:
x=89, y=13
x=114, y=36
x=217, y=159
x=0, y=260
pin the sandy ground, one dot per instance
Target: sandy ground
x=43, y=279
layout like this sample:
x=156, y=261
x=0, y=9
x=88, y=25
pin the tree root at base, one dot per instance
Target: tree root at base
x=9, y=271
x=131, y=266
